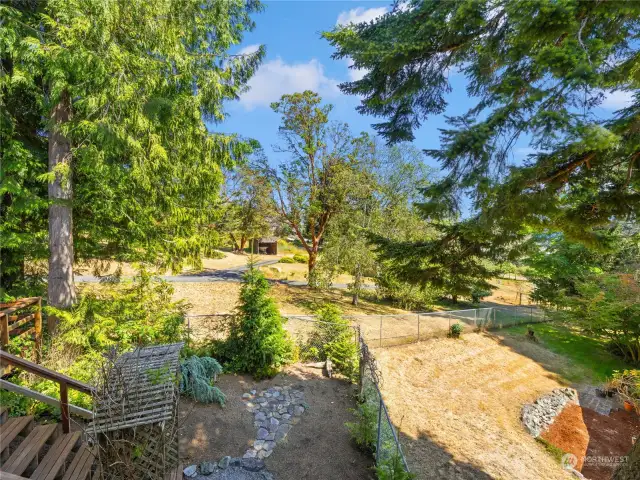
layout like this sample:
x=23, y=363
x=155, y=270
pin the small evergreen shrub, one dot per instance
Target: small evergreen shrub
x=287, y=260
x=364, y=429
x=333, y=338
x=197, y=375
x=300, y=258
x=258, y=343
x=478, y=295
x=393, y=469
x=455, y=330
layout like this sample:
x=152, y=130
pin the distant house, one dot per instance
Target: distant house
x=265, y=245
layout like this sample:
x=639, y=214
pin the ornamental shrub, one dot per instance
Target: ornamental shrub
x=197, y=375
x=287, y=260
x=332, y=337
x=258, y=343
x=300, y=258
x=455, y=330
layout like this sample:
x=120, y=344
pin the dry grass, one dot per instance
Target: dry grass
x=460, y=401
x=507, y=292
x=222, y=297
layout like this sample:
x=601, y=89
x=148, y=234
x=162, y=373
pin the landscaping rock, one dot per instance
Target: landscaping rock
x=262, y=433
x=224, y=462
x=207, y=468
x=539, y=415
x=252, y=464
x=190, y=471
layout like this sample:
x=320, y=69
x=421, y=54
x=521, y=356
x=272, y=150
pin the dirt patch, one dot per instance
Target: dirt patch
x=459, y=401
x=610, y=436
x=569, y=433
x=318, y=447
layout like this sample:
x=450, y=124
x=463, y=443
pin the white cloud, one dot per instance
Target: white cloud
x=617, y=100
x=277, y=77
x=360, y=14
x=249, y=49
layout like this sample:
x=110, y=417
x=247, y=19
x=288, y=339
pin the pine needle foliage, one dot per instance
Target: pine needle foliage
x=196, y=380
x=258, y=343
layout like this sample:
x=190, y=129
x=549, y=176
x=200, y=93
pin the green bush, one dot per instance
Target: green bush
x=287, y=260
x=106, y=316
x=455, y=330
x=196, y=379
x=258, y=343
x=393, y=469
x=332, y=337
x=300, y=258
x=479, y=294
x=364, y=429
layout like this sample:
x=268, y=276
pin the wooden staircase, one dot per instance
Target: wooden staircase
x=29, y=451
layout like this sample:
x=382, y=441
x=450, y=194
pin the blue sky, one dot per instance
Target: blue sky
x=298, y=59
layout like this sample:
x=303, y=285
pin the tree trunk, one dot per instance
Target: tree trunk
x=243, y=242
x=61, y=289
x=311, y=264
x=357, y=285
x=236, y=248
x=454, y=298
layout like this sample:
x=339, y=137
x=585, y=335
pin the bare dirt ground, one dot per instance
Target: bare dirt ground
x=457, y=404
x=319, y=447
x=610, y=436
x=508, y=292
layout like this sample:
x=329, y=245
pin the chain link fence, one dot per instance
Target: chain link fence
x=386, y=442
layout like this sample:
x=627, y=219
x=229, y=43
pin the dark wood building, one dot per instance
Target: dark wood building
x=265, y=245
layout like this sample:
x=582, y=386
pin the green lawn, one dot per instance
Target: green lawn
x=585, y=352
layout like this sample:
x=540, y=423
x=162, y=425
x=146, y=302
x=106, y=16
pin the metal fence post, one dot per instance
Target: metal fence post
x=379, y=427
x=418, y=327
x=380, y=338
x=475, y=317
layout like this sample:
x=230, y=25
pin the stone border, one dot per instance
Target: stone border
x=540, y=415
x=228, y=467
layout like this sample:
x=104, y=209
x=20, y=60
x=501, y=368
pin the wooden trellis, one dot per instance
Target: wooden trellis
x=135, y=421
x=20, y=319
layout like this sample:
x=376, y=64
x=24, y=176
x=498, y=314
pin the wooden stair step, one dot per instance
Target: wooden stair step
x=4, y=414
x=56, y=457
x=29, y=449
x=81, y=465
x=12, y=428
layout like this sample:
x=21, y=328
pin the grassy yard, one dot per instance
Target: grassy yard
x=587, y=353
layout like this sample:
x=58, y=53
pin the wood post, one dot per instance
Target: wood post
x=4, y=331
x=38, y=327
x=64, y=407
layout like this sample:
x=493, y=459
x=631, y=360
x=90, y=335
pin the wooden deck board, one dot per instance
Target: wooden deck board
x=12, y=428
x=29, y=449
x=81, y=465
x=56, y=457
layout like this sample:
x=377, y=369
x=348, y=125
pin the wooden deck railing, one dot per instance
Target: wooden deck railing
x=63, y=381
x=13, y=322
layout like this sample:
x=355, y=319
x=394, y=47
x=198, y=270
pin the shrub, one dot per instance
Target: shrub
x=196, y=379
x=393, y=469
x=627, y=384
x=455, y=330
x=364, y=429
x=333, y=338
x=299, y=258
x=258, y=343
x=110, y=315
x=287, y=260
x=479, y=294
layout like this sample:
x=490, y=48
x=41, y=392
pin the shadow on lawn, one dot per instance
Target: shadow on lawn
x=428, y=459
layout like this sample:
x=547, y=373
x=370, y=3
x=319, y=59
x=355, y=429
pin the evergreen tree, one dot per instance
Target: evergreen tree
x=536, y=71
x=105, y=103
x=258, y=343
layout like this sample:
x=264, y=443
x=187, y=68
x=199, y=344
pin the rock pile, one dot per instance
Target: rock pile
x=275, y=411
x=539, y=415
x=229, y=468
